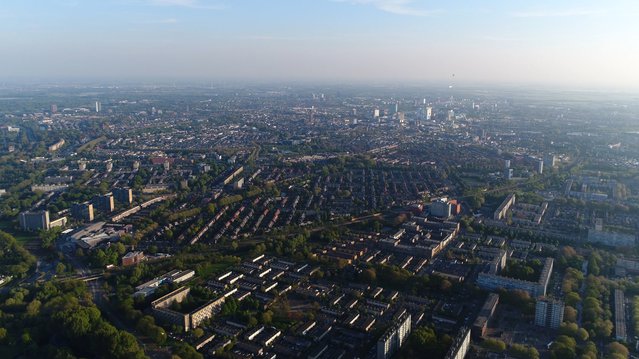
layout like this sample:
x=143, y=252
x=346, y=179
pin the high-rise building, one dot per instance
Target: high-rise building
x=54, y=108
x=540, y=166
x=393, y=108
x=394, y=337
x=508, y=173
x=136, y=165
x=550, y=161
x=82, y=211
x=98, y=106
x=123, y=195
x=549, y=313
x=429, y=113
x=104, y=203
x=376, y=113
x=401, y=117
x=451, y=115
x=33, y=221
x=109, y=166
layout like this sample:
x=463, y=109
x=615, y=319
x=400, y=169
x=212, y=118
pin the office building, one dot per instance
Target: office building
x=54, y=108
x=394, y=337
x=123, y=195
x=549, y=313
x=82, y=211
x=104, y=203
x=429, y=113
x=98, y=106
x=34, y=221
x=540, y=166
x=376, y=113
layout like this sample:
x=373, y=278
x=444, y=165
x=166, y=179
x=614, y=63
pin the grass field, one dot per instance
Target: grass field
x=19, y=235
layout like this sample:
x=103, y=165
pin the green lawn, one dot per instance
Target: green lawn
x=21, y=236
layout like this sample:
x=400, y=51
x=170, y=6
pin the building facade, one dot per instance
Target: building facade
x=34, y=221
x=549, y=313
x=123, y=195
x=82, y=211
x=394, y=337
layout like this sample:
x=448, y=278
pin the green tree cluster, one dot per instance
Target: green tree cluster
x=61, y=321
x=14, y=259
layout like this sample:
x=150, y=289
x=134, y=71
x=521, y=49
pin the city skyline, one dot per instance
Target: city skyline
x=584, y=44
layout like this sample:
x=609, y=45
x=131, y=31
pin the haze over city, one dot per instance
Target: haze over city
x=321, y=179
x=575, y=44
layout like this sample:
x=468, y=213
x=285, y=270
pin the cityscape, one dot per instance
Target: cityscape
x=307, y=218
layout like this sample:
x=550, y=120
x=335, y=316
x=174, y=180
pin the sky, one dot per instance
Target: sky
x=577, y=44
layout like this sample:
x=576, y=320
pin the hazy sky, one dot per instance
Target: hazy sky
x=566, y=42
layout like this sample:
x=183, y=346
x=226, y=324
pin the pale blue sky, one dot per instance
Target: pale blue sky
x=582, y=43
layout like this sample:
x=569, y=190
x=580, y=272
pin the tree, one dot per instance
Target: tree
x=617, y=350
x=369, y=275
x=198, y=332
x=493, y=345
x=48, y=237
x=33, y=308
x=572, y=299
x=570, y=314
x=186, y=351
x=266, y=317
x=60, y=268
x=523, y=352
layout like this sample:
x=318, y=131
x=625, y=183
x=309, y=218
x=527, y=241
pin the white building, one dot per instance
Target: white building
x=394, y=337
